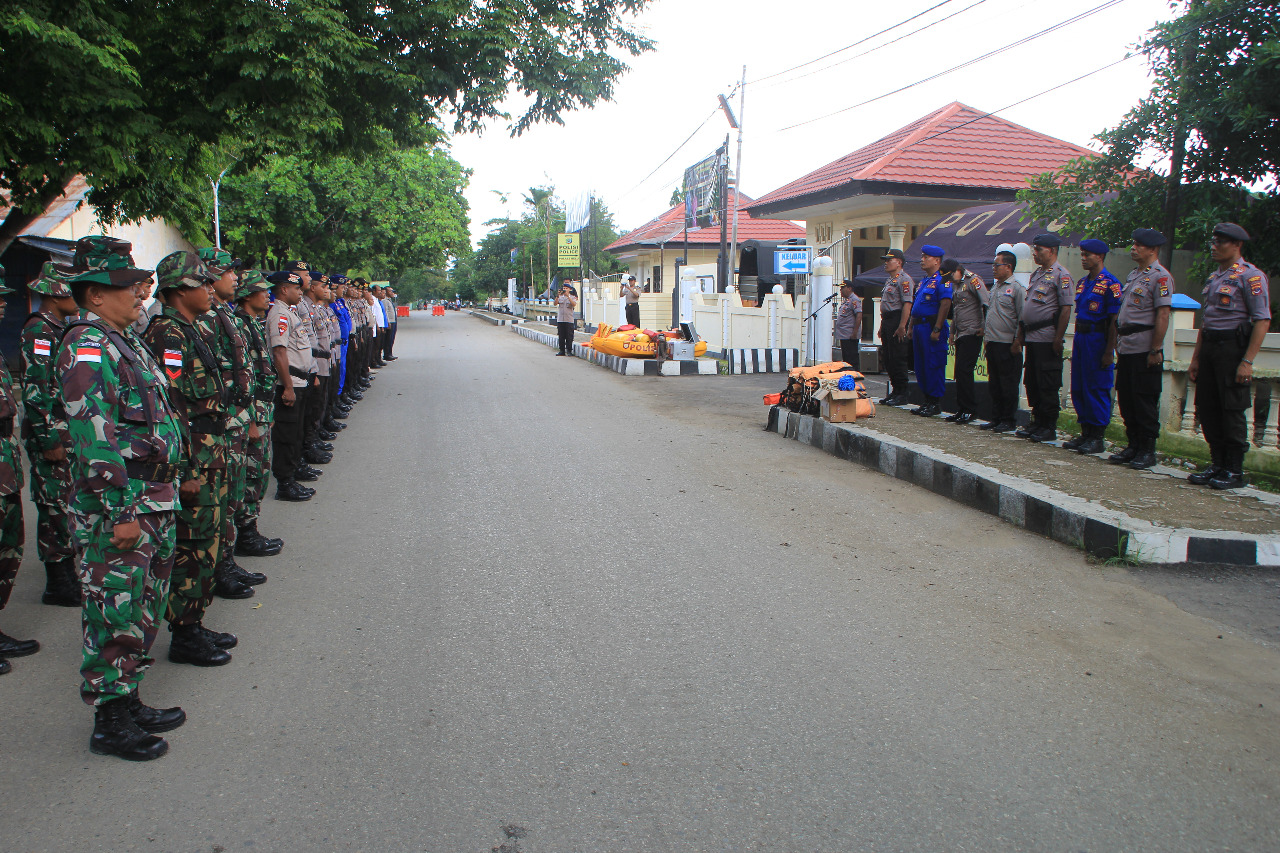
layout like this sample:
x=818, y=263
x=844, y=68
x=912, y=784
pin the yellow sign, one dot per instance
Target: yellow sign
x=569, y=249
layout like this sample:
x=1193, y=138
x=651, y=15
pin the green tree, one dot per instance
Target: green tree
x=388, y=213
x=139, y=98
x=1212, y=120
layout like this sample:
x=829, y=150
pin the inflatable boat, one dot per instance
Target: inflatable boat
x=633, y=342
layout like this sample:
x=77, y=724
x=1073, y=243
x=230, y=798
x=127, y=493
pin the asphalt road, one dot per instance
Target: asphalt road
x=540, y=607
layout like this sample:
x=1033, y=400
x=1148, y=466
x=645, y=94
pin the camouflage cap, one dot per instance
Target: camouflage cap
x=127, y=277
x=183, y=269
x=251, y=282
x=53, y=280
x=98, y=251
x=218, y=260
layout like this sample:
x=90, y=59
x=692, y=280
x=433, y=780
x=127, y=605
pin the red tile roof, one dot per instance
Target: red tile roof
x=669, y=228
x=956, y=146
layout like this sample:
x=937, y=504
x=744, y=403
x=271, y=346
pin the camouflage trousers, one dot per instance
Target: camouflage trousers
x=125, y=592
x=199, y=541
x=237, y=486
x=49, y=484
x=258, y=476
x=12, y=534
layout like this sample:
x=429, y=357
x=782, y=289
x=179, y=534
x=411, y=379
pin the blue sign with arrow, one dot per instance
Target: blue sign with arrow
x=791, y=262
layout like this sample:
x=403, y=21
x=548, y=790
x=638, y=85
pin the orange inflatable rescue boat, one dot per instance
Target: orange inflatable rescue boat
x=632, y=342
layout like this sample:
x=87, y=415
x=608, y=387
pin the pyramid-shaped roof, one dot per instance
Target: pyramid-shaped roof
x=669, y=228
x=956, y=146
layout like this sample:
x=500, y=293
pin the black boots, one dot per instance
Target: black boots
x=62, y=584
x=14, y=648
x=1144, y=454
x=220, y=639
x=191, y=645
x=227, y=582
x=154, y=720
x=116, y=732
x=292, y=490
x=1091, y=440
x=1231, y=476
x=251, y=543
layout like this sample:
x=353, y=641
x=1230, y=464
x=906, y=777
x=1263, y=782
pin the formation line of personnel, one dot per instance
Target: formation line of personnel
x=1117, y=344
x=151, y=443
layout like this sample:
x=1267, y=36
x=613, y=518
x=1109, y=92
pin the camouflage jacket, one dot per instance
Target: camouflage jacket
x=119, y=417
x=44, y=423
x=219, y=327
x=10, y=452
x=196, y=387
x=259, y=359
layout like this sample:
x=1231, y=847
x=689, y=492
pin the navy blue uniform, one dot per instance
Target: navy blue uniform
x=931, y=355
x=1097, y=303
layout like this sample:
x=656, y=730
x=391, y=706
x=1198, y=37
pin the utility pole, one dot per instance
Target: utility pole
x=737, y=177
x=724, y=268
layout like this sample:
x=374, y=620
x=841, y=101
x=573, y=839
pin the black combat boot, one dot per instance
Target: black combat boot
x=1080, y=439
x=225, y=582
x=1202, y=477
x=251, y=543
x=190, y=645
x=14, y=648
x=315, y=456
x=62, y=584
x=1230, y=477
x=245, y=576
x=1093, y=442
x=153, y=721
x=220, y=639
x=1145, y=456
x=116, y=733
x=292, y=490
x=325, y=435
x=1124, y=457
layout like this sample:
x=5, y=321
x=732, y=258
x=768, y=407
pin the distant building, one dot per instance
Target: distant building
x=886, y=194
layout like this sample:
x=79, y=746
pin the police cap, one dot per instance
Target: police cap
x=893, y=253
x=1149, y=237
x=1231, y=231
x=1095, y=246
x=297, y=266
x=933, y=251
x=283, y=277
x=1048, y=240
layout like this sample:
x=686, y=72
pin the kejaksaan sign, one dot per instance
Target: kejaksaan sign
x=791, y=261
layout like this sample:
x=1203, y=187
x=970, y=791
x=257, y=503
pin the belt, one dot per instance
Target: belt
x=1040, y=324
x=884, y=312
x=208, y=425
x=1217, y=335
x=1133, y=329
x=920, y=321
x=299, y=372
x=1086, y=328
x=152, y=472
x=319, y=353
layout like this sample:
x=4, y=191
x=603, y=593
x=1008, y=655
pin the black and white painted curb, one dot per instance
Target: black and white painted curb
x=625, y=366
x=1074, y=521
x=496, y=319
x=762, y=360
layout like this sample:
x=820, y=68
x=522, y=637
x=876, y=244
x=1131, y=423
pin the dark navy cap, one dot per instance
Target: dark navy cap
x=1094, y=245
x=1231, y=231
x=933, y=251
x=1149, y=237
x=284, y=277
x=297, y=266
x=893, y=253
x=1047, y=240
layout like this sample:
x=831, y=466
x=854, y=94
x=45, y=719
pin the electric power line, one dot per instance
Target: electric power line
x=672, y=154
x=1025, y=40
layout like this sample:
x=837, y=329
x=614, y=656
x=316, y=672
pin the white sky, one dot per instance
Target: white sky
x=703, y=44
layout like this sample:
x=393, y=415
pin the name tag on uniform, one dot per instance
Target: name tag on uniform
x=42, y=347
x=89, y=353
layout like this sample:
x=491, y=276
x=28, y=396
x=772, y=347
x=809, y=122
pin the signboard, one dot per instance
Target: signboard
x=791, y=261
x=702, y=182
x=569, y=250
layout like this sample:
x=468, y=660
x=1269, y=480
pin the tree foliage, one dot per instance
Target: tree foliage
x=387, y=213
x=1216, y=85
x=141, y=98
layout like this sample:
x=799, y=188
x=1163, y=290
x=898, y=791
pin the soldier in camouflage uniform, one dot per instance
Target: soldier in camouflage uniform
x=11, y=529
x=125, y=446
x=44, y=432
x=252, y=303
x=196, y=388
x=227, y=338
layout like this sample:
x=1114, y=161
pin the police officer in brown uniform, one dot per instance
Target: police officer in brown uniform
x=1237, y=314
x=968, y=307
x=898, y=292
x=291, y=355
x=848, y=326
x=1045, y=313
x=1140, y=328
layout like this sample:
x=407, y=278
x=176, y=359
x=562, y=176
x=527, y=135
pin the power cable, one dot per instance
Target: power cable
x=1022, y=41
x=672, y=154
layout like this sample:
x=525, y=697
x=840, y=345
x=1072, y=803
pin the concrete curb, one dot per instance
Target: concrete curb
x=762, y=360
x=1065, y=518
x=496, y=319
x=625, y=366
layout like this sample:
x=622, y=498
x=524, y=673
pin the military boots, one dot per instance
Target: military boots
x=191, y=645
x=251, y=543
x=154, y=720
x=115, y=732
x=226, y=582
x=62, y=585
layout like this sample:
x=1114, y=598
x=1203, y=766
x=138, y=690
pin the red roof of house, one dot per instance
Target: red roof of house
x=669, y=228
x=954, y=146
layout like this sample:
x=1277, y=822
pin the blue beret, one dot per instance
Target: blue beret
x=1148, y=237
x=933, y=251
x=1047, y=240
x=1096, y=246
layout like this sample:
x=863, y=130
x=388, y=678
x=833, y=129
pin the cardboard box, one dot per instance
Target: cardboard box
x=846, y=411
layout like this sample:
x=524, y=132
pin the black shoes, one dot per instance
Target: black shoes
x=1075, y=442
x=62, y=584
x=896, y=398
x=326, y=435
x=988, y=425
x=1005, y=426
x=245, y=576
x=928, y=410
x=292, y=490
x=953, y=417
x=220, y=639
x=1091, y=446
x=226, y=584
x=153, y=721
x=316, y=456
x=115, y=732
x=307, y=475
x=965, y=417
x=1199, y=478
x=1145, y=458
x=251, y=543
x=1228, y=480
x=190, y=645
x=1123, y=457
x=560, y=353
x=1043, y=434
x=1026, y=431
x=12, y=648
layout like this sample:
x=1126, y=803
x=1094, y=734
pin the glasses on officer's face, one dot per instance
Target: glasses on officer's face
x=998, y=264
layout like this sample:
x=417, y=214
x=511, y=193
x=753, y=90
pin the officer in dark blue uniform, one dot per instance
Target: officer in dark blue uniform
x=1093, y=370
x=929, y=331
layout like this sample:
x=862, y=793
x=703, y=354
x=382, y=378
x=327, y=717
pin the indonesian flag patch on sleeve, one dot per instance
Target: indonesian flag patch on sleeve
x=173, y=362
x=43, y=347
x=89, y=352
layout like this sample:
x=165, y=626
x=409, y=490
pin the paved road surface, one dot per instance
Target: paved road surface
x=539, y=607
